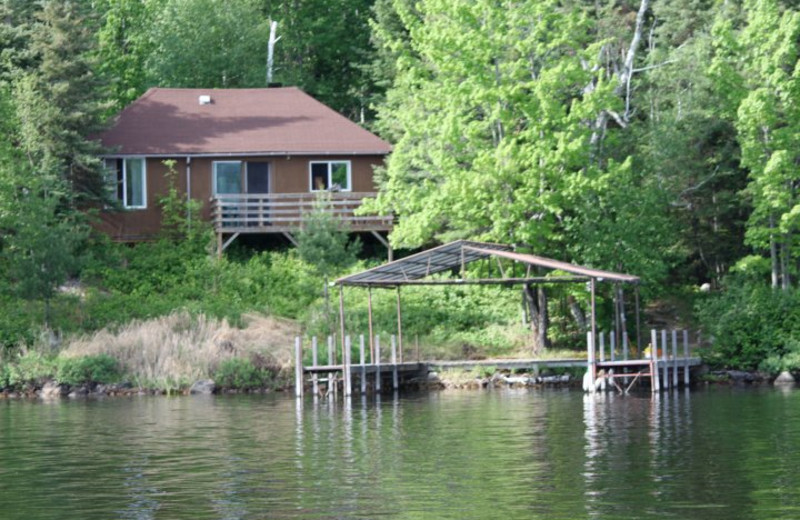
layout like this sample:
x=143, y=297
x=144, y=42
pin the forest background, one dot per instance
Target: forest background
x=654, y=137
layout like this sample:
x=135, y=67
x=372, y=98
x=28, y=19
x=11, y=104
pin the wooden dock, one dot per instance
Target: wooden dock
x=667, y=369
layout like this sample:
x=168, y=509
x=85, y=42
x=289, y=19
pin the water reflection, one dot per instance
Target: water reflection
x=715, y=454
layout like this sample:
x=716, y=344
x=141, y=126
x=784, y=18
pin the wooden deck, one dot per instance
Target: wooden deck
x=286, y=212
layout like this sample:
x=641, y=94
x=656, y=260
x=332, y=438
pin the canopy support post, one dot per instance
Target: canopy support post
x=399, y=325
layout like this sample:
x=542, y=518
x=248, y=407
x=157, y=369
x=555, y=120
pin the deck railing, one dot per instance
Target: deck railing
x=278, y=212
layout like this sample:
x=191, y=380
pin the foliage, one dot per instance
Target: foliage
x=180, y=217
x=750, y=323
x=30, y=369
x=323, y=242
x=84, y=370
x=242, y=374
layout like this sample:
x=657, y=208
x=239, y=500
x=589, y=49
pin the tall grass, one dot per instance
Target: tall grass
x=173, y=351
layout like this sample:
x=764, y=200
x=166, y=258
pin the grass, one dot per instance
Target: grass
x=173, y=351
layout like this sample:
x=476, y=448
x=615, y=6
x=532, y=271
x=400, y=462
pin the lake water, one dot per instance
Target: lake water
x=718, y=453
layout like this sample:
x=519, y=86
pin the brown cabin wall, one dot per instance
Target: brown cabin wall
x=287, y=175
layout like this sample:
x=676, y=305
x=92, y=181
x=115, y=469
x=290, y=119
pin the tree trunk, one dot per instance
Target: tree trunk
x=773, y=252
x=786, y=281
x=577, y=314
x=536, y=303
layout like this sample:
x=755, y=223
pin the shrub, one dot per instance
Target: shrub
x=752, y=326
x=242, y=374
x=30, y=369
x=101, y=368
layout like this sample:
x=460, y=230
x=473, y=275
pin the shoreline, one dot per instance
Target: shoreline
x=435, y=381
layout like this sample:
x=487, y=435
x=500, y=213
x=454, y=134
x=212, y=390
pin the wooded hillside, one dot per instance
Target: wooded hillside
x=657, y=137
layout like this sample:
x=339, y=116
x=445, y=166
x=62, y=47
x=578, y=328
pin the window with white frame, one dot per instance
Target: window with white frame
x=228, y=177
x=329, y=175
x=127, y=181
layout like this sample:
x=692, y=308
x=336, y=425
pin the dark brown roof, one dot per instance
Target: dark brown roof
x=237, y=121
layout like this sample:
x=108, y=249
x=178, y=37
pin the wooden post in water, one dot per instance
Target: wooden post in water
x=592, y=344
x=298, y=368
x=314, y=358
x=395, y=379
x=363, y=366
x=674, y=358
x=348, y=386
x=331, y=375
x=590, y=362
x=377, y=364
x=602, y=347
x=686, y=357
x=664, y=347
x=654, y=383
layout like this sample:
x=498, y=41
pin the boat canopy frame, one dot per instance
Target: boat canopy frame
x=418, y=268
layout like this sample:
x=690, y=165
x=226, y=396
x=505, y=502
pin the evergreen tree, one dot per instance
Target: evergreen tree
x=60, y=101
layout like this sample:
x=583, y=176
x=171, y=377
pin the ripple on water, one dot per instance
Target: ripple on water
x=710, y=454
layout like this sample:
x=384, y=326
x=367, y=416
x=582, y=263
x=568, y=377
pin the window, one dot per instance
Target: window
x=330, y=175
x=227, y=177
x=127, y=181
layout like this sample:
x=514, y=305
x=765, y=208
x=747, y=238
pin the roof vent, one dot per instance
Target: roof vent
x=205, y=100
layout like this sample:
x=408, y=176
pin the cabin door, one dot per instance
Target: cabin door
x=257, y=177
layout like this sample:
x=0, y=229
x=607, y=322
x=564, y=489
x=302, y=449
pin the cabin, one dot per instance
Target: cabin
x=257, y=160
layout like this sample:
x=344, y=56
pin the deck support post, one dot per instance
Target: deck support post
x=290, y=238
x=298, y=368
x=386, y=244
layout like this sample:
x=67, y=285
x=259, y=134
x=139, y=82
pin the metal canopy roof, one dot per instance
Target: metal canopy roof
x=548, y=263
x=455, y=254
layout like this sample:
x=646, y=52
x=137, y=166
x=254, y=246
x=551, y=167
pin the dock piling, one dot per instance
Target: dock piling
x=363, y=366
x=298, y=368
x=348, y=386
x=675, y=358
x=314, y=360
x=686, y=357
x=378, y=364
x=654, y=382
x=664, y=347
x=395, y=380
x=331, y=375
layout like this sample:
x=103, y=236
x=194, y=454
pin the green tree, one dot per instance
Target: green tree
x=759, y=68
x=205, y=44
x=60, y=101
x=323, y=243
